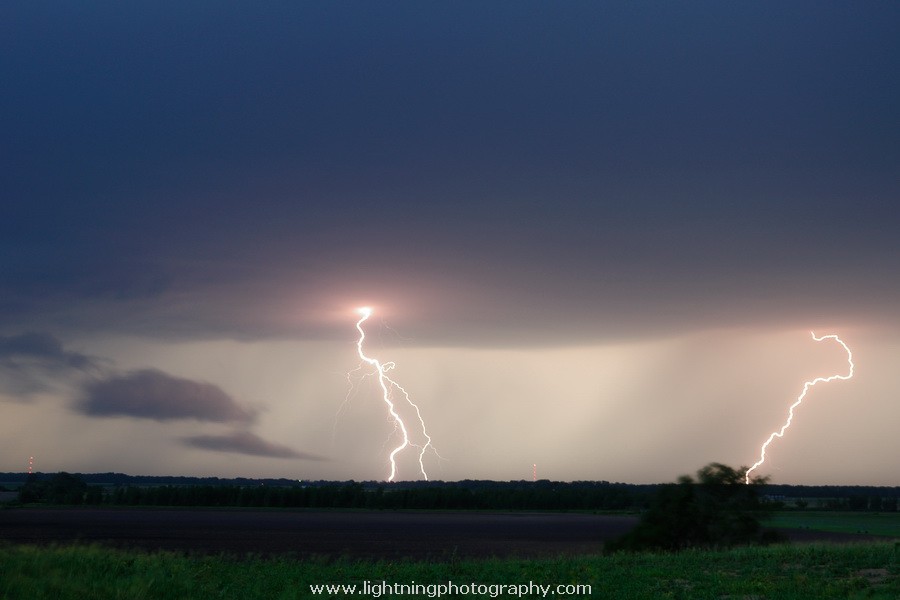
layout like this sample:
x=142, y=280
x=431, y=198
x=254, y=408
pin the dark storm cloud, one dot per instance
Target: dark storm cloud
x=43, y=348
x=515, y=173
x=245, y=442
x=31, y=362
x=152, y=394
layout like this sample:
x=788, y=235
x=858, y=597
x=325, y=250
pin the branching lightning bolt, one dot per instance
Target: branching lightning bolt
x=806, y=387
x=388, y=386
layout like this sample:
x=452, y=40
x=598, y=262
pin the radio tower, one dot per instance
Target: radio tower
x=30, y=465
x=534, y=472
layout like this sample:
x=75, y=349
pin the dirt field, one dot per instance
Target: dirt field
x=381, y=534
x=369, y=534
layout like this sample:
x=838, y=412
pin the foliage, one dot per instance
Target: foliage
x=126, y=490
x=785, y=572
x=520, y=495
x=716, y=510
x=62, y=488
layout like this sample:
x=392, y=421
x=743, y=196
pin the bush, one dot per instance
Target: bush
x=717, y=510
x=62, y=488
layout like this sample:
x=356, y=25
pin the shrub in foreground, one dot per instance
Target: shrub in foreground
x=717, y=510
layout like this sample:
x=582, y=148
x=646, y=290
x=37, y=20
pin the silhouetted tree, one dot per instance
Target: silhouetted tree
x=66, y=488
x=716, y=510
x=62, y=488
x=858, y=502
x=32, y=490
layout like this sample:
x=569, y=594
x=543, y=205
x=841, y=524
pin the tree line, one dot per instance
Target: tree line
x=65, y=488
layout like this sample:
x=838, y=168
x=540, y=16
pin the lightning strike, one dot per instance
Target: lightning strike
x=806, y=387
x=389, y=388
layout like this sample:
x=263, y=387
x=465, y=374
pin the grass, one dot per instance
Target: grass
x=869, y=570
x=886, y=524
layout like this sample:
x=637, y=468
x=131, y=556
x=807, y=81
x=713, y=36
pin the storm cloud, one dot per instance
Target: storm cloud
x=42, y=347
x=538, y=203
x=32, y=362
x=153, y=394
x=623, y=173
x=246, y=442
x=156, y=395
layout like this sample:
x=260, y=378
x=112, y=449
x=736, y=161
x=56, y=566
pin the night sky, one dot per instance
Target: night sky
x=595, y=236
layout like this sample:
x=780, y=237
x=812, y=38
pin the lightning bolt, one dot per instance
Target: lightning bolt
x=388, y=388
x=806, y=388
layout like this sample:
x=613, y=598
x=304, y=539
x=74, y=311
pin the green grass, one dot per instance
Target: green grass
x=784, y=572
x=886, y=524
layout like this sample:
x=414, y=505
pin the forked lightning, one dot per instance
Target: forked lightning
x=806, y=387
x=388, y=386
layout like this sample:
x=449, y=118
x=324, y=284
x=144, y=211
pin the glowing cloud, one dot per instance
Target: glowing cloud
x=806, y=387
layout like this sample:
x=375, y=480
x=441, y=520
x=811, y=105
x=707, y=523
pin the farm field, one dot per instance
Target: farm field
x=431, y=535
x=420, y=535
x=177, y=553
x=865, y=523
x=802, y=571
